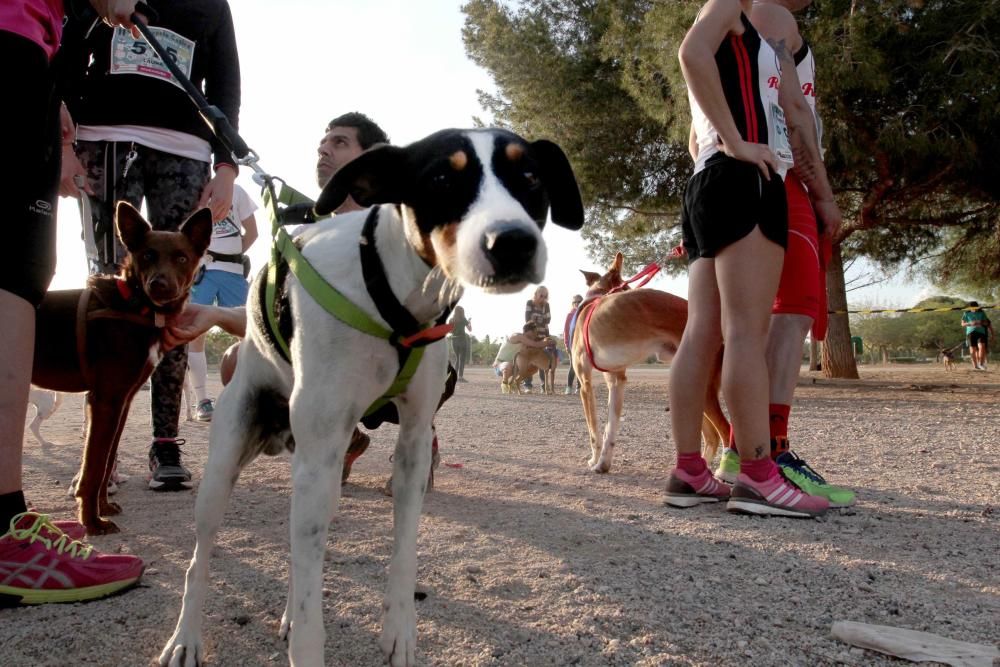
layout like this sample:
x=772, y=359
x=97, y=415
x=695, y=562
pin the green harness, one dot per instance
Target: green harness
x=284, y=251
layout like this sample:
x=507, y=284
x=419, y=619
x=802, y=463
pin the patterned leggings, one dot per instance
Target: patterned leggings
x=171, y=186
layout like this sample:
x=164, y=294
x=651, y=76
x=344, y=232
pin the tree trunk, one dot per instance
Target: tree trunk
x=814, y=354
x=838, y=353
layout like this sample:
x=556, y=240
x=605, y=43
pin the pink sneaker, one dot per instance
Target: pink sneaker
x=686, y=490
x=774, y=497
x=74, y=531
x=40, y=563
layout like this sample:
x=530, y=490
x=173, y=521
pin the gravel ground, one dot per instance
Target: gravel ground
x=526, y=558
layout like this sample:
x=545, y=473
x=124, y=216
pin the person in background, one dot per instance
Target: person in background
x=977, y=328
x=221, y=282
x=537, y=311
x=503, y=364
x=39, y=561
x=572, y=384
x=460, y=340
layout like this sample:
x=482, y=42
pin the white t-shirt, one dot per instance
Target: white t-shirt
x=227, y=234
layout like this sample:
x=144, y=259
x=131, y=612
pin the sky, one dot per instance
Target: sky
x=402, y=63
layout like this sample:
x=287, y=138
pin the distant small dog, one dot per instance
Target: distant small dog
x=527, y=363
x=948, y=359
x=46, y=403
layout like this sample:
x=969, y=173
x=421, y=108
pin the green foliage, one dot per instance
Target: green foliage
x=927, y=332
x=217, y=342
x=907, y=90
x=482, y=352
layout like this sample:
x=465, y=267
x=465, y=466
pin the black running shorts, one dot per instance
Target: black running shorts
x=29, y=168
x=724, y=202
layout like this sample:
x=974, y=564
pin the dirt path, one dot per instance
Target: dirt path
x=528, y=559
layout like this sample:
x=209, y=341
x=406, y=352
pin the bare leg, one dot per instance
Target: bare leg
x=784, y=354
x=689, y=370
x=747, y=273
x=17, y=331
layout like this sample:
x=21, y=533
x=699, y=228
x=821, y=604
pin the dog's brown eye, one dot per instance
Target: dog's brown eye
x=182, y=259
x=148, y=256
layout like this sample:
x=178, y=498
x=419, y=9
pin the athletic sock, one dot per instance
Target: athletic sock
x=11, y=504
x=778, y=422
x=199, y=374
x=692, y=464
x=759, y=470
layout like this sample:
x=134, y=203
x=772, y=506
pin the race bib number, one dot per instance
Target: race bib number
x=780, y=143
x=135, y=56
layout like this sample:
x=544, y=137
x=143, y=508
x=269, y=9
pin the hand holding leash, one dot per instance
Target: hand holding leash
x=211, y=114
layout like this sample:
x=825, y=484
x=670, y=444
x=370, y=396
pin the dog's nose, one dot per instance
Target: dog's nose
x=509, y=248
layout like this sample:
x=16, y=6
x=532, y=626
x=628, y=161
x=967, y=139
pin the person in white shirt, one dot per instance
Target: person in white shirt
x=222, y=282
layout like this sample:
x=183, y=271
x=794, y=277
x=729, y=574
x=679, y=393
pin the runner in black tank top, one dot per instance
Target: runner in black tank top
x=735, y=228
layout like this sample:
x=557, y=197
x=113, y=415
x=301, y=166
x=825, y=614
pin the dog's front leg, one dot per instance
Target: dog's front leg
x=318, y=459
x=616, y=400
x=105, y=414
x=589, y=400
x=227, y=443
x=411, y=466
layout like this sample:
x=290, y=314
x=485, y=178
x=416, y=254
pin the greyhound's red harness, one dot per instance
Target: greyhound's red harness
x=592, y=300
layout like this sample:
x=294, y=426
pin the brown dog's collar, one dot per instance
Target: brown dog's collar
x=132, y=297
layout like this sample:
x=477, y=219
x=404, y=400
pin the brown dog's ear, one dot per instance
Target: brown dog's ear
x=617, y=264
x=198, y=230
x=132, y=227
x=590, y=277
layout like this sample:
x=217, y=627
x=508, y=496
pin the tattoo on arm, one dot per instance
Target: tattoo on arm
x=758, y=452
x=781, y=51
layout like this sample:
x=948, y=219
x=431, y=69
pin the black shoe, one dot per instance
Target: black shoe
x=165, y=470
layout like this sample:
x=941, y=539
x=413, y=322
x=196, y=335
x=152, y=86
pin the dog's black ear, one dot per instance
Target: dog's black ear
x=377, y=176
x=198, y=229
x=590, y=277
x=560, y=183
x=132, y=227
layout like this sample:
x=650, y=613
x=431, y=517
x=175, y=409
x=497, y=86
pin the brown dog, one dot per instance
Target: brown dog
x=625, y=328
x=105, y=340
x=526, y=365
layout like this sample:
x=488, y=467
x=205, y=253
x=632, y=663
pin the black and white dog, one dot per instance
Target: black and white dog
x=460, y=208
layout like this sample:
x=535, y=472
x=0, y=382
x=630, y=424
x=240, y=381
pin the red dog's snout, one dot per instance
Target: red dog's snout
x=161, y=287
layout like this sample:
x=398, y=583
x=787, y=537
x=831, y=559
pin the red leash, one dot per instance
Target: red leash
x=643, y=277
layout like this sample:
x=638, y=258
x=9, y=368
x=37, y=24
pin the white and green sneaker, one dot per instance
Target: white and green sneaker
x=799, y=473
x=729, y=466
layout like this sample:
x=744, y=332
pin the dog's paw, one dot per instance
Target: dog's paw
x=102, y=527
x=111, y=508
x=180, y=652
x=285, y=629
x=600, y=467
x=399, y=633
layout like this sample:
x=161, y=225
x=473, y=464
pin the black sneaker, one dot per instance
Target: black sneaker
x=165, y=470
